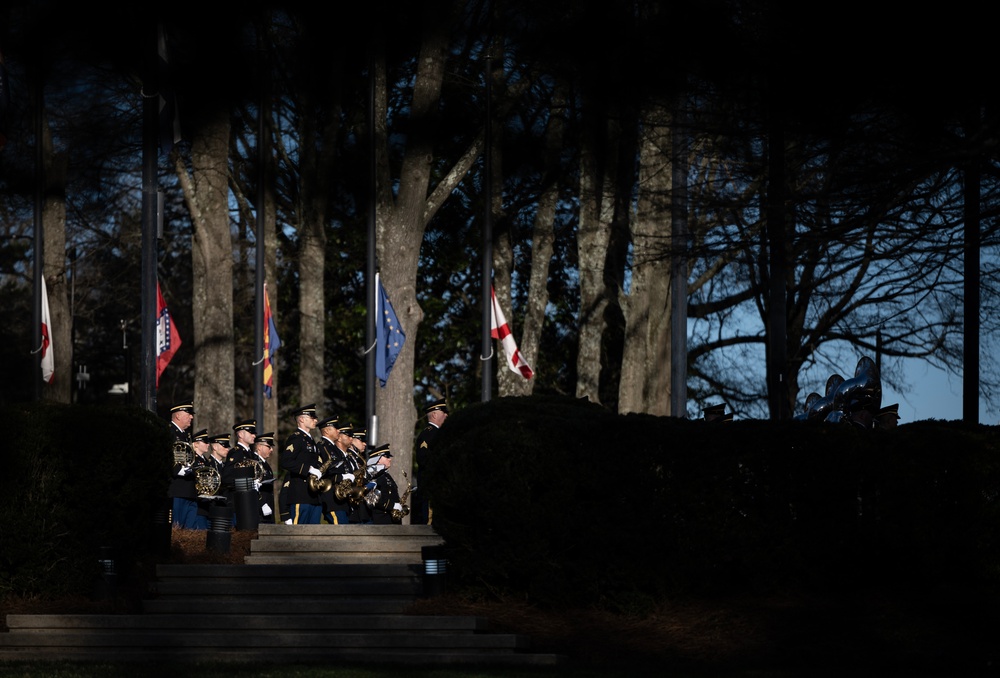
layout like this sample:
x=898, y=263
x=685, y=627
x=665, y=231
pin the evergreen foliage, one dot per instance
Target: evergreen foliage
x=558, y=501
x=85, y=477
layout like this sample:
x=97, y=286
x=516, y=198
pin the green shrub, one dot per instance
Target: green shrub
x=83, y=478
x=557, y=500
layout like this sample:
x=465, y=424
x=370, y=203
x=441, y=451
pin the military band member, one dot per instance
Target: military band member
x=263, y=447
x=437, y=413
x=300, y=460
x=356, y=465
x=182, y=497
x=217, y=459
x=335, y=511
x=382, y=495
x=202, y=452
x=245, y=433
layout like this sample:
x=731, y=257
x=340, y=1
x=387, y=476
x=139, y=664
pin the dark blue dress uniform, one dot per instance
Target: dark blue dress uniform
x=422, y=458
x=266, y=488
x=181, y=493
x=224, y=495
x=298, y=455
x=383, y=492
x=336, y=511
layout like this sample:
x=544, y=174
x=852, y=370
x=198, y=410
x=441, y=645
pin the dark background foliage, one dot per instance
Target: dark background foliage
x=558, y=501
x=82, y=477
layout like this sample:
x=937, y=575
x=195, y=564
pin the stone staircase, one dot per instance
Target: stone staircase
x=316, y=593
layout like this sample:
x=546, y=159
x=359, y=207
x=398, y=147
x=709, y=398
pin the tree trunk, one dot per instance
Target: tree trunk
x=593, y=239
x=645, y=374
x=54, y=270
x=316, y=170
x=542, y=238
x=400, y=224
x=206, y=192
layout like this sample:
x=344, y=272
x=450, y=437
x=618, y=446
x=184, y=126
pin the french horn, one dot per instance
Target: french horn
x=207, y=481
x=258, y=468
x=183, y=453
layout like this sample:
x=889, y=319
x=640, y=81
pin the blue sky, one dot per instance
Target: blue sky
x=934, y=394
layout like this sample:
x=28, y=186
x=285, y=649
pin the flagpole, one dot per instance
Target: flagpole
x=150, y=219
x=487, y=262
x=258, y=316
x=370, y=260
x=36, y=336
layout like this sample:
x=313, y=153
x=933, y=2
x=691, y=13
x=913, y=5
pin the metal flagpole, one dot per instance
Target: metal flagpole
x=370, y=266
x=150, y=219
x=36, y=329
x=258, y=315
x=486, y=357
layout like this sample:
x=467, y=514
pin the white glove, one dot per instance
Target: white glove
x=288, y=522
x=348, y=476
x=315, y=471
x=397, y=506
x=266, y=510
x=185, y=470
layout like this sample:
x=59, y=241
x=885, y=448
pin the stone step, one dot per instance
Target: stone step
x=387, y=623
x=350, y=605
x=342, y=657
x=307, y=593
x=362, y=544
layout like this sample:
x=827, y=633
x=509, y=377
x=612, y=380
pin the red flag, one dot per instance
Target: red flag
x=499, y=329
x=167, y=338
x=48, y=361
x=271, y=344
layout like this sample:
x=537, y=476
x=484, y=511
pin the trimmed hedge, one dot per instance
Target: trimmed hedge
x=557, y=500
x=80, y=478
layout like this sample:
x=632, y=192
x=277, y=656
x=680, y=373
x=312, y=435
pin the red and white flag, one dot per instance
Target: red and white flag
x=167, y=338
x=499, y=329
x=48, y=361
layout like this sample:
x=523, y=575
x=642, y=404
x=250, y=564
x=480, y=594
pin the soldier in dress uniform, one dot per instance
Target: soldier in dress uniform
x=382, y=496
x=217, y=459
x=356, y=464
x=300, y=459
x=182, y=497
x=335, y=511
x=181, y=416
x=887, y=418
x=245, y=433
x=262, y=449
x=202, y=452
x=437, y=413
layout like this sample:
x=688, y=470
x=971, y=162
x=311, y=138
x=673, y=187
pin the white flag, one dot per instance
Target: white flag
x=499, y=329
x=48, y=363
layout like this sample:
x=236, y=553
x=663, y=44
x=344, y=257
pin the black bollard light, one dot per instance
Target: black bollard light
x=161, y=534
x=220, y=521
x=245, y=500
x=435, y=570
x=107, y=582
